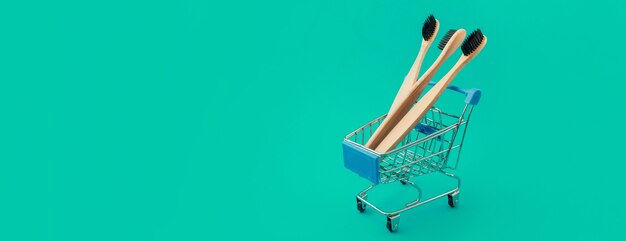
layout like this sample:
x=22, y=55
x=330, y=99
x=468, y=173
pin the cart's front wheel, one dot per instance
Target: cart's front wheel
x=360, y=205
x=453, y=199
x=392, y=223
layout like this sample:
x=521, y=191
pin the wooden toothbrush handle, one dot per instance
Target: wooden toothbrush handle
x=412, y=117
x=405, y=89
x=400, y=110
x=411, y=77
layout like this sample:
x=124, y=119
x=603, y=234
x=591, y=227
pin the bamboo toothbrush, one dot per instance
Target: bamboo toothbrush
x=429, y=31
x=471, y=47
x=449, y=43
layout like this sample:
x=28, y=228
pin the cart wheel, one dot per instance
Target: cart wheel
x=360, y=205
x=392, y=223
x=403, y=182
x=453, y=200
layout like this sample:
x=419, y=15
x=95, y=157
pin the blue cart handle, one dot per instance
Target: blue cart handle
x=472, y=96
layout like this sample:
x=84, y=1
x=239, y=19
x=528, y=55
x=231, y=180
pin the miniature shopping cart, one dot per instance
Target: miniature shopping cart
x=433, y=146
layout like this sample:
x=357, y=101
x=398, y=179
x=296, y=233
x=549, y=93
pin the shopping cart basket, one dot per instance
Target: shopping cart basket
x=433, y=146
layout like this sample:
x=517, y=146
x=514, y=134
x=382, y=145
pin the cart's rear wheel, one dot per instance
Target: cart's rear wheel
x=392, y=223
x=360, y=205
x=453, y=200
x=403, y=182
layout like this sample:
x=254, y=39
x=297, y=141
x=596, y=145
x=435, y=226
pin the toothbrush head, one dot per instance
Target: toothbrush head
x=473, y=42
x=446, y=38
x=430, y=25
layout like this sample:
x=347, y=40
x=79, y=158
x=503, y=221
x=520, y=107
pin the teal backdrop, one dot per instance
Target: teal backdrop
x=223, y=120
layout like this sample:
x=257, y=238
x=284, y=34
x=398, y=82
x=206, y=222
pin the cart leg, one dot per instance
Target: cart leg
x=392, y=222
x=360, y=205
x=453, y=199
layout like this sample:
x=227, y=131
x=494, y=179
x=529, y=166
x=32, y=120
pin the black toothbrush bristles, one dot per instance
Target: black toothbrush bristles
x=472, y=42
x=446, y=38
x=428, y=30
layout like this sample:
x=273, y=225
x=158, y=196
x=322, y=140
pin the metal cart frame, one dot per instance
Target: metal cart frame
x=433, y=146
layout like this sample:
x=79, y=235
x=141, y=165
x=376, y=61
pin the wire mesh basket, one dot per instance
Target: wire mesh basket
x=425, y=149
x=432, y=146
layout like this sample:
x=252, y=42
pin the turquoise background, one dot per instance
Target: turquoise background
x=207, y=120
